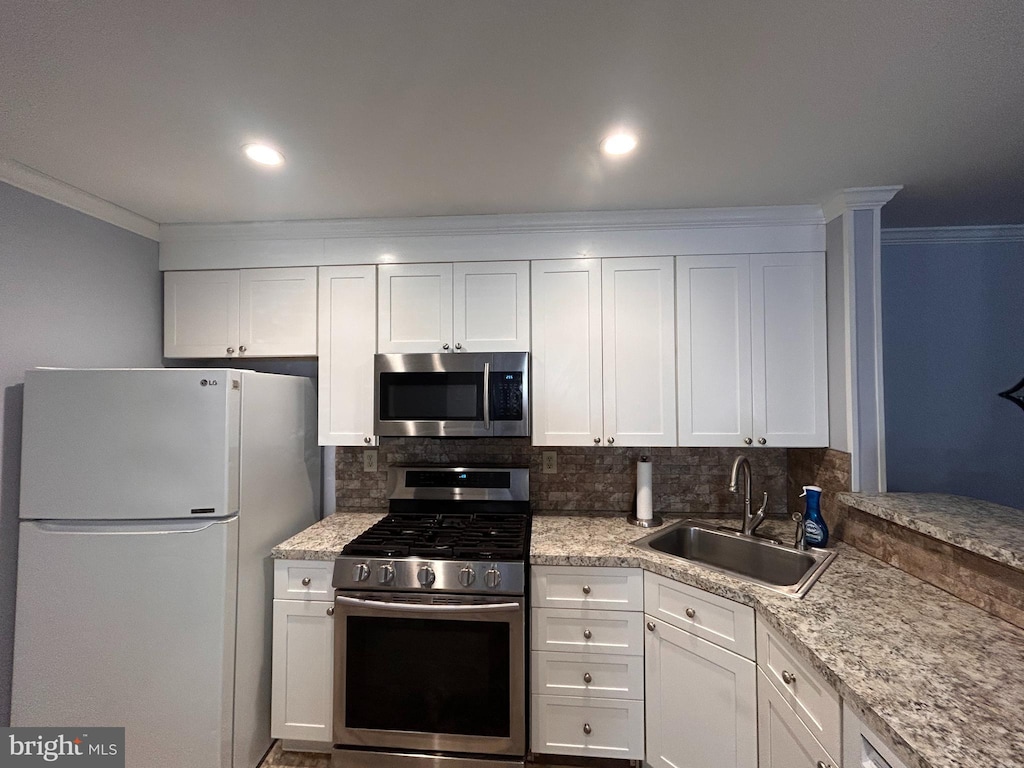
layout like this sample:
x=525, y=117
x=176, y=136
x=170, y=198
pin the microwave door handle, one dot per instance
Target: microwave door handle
x=487, y=396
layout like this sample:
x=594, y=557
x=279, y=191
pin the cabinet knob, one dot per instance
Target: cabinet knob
x=458, y=346
x=611, y=440
x=231, y=350
x=446, y=347
x=690, y=613
x=306, y=582
x=762, y=441
x=586, y=589
x=823, y=764
x=242, y=349
x=587, y=678
x=366, y=440
x=587, y=634
x=650, y=626
x=587, y=729
x=788, y=677
x=747, y=441
x=597, y=440
x=330, y=611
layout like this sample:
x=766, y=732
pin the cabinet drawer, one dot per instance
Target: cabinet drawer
x=606, y=589
x=783, y=739
x=595, y=675
x=567, y=725
x=618, y=632
x=303, y=580
x=716, y=619
x=813, y=699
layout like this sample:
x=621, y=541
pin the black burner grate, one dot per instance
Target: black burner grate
x=444, y=537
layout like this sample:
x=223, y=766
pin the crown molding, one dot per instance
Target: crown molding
x=29, y=179
x=1008, y=233
x=497, y=224
x=858, y=199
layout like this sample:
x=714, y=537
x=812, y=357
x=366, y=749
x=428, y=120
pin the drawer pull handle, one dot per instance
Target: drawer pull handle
x=650, y=625
x=587, y=634
x=587, y=729
x=788, y=677
x=330, y=611
x=587, y=678
x=306, y=581
x=586, y=589
x=690, y=613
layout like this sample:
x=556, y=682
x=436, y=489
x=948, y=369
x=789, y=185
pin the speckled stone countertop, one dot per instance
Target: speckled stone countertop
x=990, y=530
x=940, y=680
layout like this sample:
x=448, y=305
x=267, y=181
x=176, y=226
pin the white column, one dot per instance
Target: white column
x=853, y=285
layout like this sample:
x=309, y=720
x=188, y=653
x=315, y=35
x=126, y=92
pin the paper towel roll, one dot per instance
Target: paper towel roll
x=644, y=498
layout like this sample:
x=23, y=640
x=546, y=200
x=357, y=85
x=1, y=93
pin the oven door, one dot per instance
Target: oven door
x=445, y=673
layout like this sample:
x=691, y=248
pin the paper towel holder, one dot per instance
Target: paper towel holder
x=655, y=519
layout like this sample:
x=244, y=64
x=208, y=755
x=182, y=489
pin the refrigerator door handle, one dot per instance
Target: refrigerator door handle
x=121, y=527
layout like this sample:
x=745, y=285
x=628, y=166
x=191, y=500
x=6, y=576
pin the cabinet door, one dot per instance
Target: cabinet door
x=302, y=675
x=414, y=307
x=789, y=362
x=784, y=741
x=566, y=383
x=491, y=306
x=713, y=336
x=346, y=346
x=701, y=703
x=639, y=339
x=277, y=312
x=201, y=313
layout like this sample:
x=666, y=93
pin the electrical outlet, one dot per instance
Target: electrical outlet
x=549, y=462
x=369, y=461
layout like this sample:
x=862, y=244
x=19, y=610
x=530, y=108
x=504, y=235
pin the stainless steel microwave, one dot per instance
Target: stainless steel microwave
x=467, y=394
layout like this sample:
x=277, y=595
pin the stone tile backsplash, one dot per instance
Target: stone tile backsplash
x=589, y=480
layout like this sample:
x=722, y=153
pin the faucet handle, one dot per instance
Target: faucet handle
x=764, y=504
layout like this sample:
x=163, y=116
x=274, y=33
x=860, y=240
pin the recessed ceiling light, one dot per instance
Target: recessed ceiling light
x=263, y=154
x=619, y=143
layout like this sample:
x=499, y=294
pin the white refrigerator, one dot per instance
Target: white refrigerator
x=150, y=500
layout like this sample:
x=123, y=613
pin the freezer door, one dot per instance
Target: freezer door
x=130, y=625
x=130, y=444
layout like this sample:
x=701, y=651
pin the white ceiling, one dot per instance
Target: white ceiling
x=440, y=107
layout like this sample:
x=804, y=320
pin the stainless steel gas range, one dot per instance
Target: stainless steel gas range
x=430, y=624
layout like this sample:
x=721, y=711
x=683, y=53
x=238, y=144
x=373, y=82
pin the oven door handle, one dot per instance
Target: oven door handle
x=420, y=608
x=487, y=396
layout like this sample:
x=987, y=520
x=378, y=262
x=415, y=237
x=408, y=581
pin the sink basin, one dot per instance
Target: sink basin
x=777, y=567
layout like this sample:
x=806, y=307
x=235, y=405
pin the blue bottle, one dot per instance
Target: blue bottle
x=815, y=530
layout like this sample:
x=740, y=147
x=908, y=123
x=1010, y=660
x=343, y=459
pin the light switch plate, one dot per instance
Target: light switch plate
x=549, y=462
x=369, y=461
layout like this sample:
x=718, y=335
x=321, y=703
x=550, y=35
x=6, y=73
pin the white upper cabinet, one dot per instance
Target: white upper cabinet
x=603, y=352
x=638, y=308
x=491, y=306
x=240, y=313
x=566, y=380
x=752, y=364
x=347, y=331
x=462, y=307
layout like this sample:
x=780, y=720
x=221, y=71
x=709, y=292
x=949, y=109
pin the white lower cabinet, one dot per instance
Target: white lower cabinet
x=701, y=698
x=785, y=741
x=302, y=674
x=587, y=663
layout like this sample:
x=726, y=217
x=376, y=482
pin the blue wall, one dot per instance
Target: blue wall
x=953, y=337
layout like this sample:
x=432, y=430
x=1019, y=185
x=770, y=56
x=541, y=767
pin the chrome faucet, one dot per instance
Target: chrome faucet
x=750, y=520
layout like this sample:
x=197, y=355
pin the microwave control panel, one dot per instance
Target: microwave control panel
x=506, y=395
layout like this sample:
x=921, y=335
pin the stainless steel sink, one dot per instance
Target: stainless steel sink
x=779, y=568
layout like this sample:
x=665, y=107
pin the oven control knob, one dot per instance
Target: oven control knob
x=492, y=578
x=360, y=572
x=386, y=573
x=425, y=576
x=467, y=576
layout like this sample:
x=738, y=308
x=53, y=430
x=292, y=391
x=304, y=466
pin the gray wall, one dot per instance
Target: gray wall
x=76, y=292
x=953, y=337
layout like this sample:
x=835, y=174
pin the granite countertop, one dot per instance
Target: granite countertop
x=939, y=679
x=990, y=530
